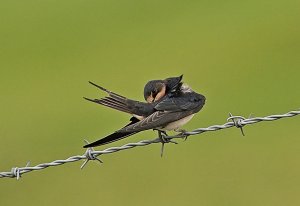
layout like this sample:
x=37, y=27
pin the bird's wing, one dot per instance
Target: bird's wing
x=169, y=110
x=123, y=104
x=156, y=120
x=186, y=102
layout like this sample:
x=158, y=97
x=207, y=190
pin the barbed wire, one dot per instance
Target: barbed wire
x=91, y=154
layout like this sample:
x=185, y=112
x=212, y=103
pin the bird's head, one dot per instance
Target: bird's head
x=154, y=90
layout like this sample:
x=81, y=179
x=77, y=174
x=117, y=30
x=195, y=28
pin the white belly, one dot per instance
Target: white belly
x=177, y=124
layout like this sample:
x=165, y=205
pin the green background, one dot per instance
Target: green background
x=244, y=56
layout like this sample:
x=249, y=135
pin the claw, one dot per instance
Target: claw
x=182, y=133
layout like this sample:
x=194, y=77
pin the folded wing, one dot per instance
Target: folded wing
x=185, y=102
x=156, y=120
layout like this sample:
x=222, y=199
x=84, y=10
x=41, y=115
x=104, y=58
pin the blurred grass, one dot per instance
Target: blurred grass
x=243, y=56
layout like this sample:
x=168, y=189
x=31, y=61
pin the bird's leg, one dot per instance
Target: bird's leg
x=163, y=140
x=162, y=135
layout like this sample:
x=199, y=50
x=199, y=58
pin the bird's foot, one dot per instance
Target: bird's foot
x=182, y=133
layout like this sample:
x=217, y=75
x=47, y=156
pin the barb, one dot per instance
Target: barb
x=237, y=122
x=91, y=154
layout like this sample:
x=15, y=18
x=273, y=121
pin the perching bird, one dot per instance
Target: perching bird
x=170, y=104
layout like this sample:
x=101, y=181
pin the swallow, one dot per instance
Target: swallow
x=154, y=90
x=169, y=105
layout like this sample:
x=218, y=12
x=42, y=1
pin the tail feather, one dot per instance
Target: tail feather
x=110, y=104
x=123, y=104
x=114, y=136
x=107, y=91
x=110, y=138
x=113, y=100
x=120, y=101
x=113, y=103
x=114, y=107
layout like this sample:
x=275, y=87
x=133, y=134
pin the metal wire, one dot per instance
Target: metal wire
x=91, y=154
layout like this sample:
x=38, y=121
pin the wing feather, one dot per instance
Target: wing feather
x=156, y=120
x=123, y=104
x=187, y=101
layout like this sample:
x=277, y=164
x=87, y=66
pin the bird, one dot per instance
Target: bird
x=169, y=105
x=154, y=90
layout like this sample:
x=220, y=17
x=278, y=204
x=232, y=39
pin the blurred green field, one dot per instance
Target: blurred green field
x=244, y=56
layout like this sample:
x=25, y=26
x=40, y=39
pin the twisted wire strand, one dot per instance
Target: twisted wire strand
x=91, y=154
